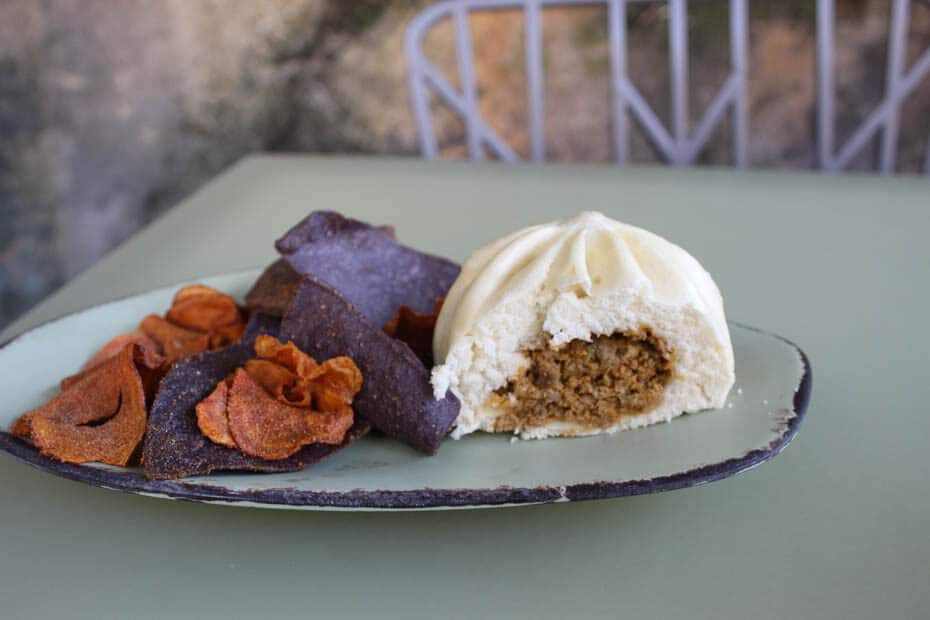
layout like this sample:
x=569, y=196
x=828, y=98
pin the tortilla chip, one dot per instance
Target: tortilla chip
x=415, y=330
x=264, y=427
x=211, y=416
x=113, y=393
x=366, y=265
x=174, y=445
x=396, y=396
x=274, y=289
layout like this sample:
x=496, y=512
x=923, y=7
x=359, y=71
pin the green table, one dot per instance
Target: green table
x=838, y=526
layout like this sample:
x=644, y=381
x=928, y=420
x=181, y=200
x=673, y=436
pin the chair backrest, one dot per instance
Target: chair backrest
x=682, y=143
x=899, y=84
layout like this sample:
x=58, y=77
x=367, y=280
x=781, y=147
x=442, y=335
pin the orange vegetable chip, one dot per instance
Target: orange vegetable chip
x=211, y=416
x=415, y=330
x=287, y=355
x=112, y=396
x=334, y=384
x=116, y=345
x=327, y=387
x=193, y=291
x=175, y=342
x=151, y=364
x=266, y=428
x=279, y=382
x=226, y=334
x=203, y=309
x=95, y=396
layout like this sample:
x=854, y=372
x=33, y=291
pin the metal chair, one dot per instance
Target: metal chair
x=682, y=144
x=899, y=84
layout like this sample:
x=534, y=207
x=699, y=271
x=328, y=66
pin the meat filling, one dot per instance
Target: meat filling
x=591, y=384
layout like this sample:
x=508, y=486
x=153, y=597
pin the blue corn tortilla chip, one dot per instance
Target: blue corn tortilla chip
x=396, y=395
x=366, y=265
x=174, y=447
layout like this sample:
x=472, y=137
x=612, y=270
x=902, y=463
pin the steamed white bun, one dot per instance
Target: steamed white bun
x=577, y=279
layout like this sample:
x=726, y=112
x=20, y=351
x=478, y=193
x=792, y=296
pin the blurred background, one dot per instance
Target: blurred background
x=113, y=111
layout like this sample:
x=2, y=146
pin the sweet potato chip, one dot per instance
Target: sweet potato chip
x=334, y=384
x=91, y=396
x=226, y=334
x=116, y=345
x=174, y=445
x=151, y=364
x=279, y=382
x=152, y=367
x=296, y=379
x=396, y=396
x=200, y=319
x=194, y=290
x=211, y=416
x=366, y=265
x=301, y=402
x=287, y=355
x=203, y=309
x=415, y=330
x=266, y=428
x=174, y=342
x=111, y=394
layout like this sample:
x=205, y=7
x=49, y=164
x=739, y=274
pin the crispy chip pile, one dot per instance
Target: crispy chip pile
x=281, y=402
x=200, y=319
x=100, y=416
x=415, y=330
x=101, y=412
x=397, y=397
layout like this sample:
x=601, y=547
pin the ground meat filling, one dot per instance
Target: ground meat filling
x=592, y=384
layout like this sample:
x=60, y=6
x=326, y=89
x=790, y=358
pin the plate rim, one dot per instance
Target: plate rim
x=414, y=499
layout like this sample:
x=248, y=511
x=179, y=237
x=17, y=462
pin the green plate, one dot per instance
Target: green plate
x=762, y=415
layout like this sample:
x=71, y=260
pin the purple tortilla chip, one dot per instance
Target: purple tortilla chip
x=272, y=292
x=366, y=265
x=174, y=446
x=396, y=395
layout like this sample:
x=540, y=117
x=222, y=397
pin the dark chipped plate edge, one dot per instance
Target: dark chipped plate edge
x=428, y=497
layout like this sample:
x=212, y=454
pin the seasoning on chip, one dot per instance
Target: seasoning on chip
x=211, y=415
x=274, y=406
x=263, y=426
x=203, y=309
x=174, y=445
x=100, y=417
x=415, y=330
x=200, y=319
x=279, y=382
x=116, y=345
x=396, y=396
x=173, y=340
x=366, y=265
